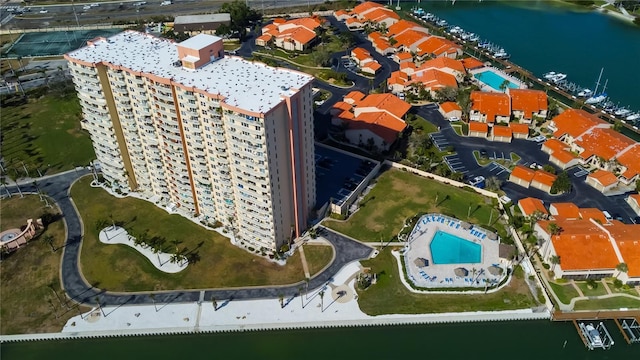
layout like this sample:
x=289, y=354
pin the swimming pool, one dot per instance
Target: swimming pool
x=494, y=80
x=450, y=249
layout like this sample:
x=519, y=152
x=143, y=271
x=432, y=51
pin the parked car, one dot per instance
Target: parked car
x=539, y=138
x=165, y=3
x=454, y=119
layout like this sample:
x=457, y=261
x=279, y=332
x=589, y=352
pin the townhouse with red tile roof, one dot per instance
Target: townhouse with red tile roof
x=293, y=35
x=375, y=119
x=490, y=107
x=450, y=109
x=634, y=201
x=431, y=80
x=533, y=207
x=538, y=179
x=527, y=104
x=588, y=244
x=365, y=61
x=560, y=153
x=367, y=13
x=597, y=145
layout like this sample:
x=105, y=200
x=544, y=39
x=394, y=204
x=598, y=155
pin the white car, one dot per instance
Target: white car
x=539, y=138
x=86, y=7
x=43, y=11
x=165, y=3
x=454, y=119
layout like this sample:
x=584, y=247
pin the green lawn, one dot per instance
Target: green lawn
x=318, y=256
x=121, y=268
x=422, y=125
x=389, y=296
x=45, y=134
x=564, y=292
x=598, y=290
x=609, y=303
x=399, y=195
x=27, y=276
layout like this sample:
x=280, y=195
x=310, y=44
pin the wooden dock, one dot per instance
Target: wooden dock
x=584, y=340
x=624, y=333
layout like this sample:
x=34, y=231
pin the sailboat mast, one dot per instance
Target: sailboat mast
x=595, y=92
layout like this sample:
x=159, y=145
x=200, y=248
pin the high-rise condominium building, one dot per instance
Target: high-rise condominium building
x=219, y=137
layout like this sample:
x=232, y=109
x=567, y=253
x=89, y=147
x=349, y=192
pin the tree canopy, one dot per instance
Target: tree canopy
x=241, y=16
x=561, y=184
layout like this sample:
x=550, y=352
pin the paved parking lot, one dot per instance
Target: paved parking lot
x=496, y=169
x=439, y=140
x=499, y=155
x=455, y=164
x=578, y=171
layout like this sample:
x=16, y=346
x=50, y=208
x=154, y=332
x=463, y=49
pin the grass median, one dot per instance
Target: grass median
x=399, y=195
x=32, y=300
x=121, y=268
x=390, y=296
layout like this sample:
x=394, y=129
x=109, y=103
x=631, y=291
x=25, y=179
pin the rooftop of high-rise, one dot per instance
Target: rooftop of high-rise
x=250, y=86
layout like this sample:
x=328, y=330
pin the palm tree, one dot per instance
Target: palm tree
x=504, y=85
x=100, y=306
x=622, y=267
x=554, y=229
x=48, y=239
x=214, y=303
x=554, y=260
x=322, y=300
x=281, y=299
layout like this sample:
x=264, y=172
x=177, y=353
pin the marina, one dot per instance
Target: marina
x=555, y=83
x=594, y=336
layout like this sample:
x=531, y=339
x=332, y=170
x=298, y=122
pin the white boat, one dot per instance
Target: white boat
x=596, y=99
x=633, y=117
x=501, y=54
x=442, y=22
x=559, y=77
x=593, y=336
x=622, y=112
x=456, y=30
x=585, y=93
x=549, y=75
x=473, y=37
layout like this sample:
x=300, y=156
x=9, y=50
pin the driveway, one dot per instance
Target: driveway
x=76, y=287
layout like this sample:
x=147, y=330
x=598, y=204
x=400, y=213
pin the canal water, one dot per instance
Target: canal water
x=518, y=340
x=543, y=37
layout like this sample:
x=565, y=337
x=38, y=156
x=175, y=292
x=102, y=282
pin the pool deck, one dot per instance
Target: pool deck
x=486, y=87
x=443, y=275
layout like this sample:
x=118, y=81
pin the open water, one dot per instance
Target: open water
x=542, y=36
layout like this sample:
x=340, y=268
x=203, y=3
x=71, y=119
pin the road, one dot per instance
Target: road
x=107, y=12
x=77, y=288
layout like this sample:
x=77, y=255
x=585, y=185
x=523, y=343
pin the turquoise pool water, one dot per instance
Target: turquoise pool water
x=450, y=249
x=494, y=80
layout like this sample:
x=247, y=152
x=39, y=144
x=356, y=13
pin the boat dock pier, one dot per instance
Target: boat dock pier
x=628, y=321
x=512, y=69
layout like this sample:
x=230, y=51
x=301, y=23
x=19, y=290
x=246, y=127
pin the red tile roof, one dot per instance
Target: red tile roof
x=382, y=44
x=378, y=15
x=629, y=159
x=373, y=65
x=449, y=106
x=528, y=101
x=502, y=131
x=435, y=79
x=360, y=53
x=404, y=56
x=402, y=26
x=575, y=122
x=409, y=38
x=626, y=237
x=566, y=210
x=635, y=197
x=381, y=124
x=301, y=35
x=478, y=126
x=355, y=95
x=397, y=78
x=606, y=143
x=582, y=245
x=366, y=6
x=341, y=105
x=555, y=145
x=521, y=172
x=543, y=177
x=437, y=46
x=563, y=156
x=472, y=63
x=593, y=213
x=519, y=128
x=605, y=178
x=386, y=102
x=530, y=205
x=490, y=104
x=265, y=37
x=443, y=63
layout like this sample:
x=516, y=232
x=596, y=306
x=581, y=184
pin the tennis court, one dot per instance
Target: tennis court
x=53, y=43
